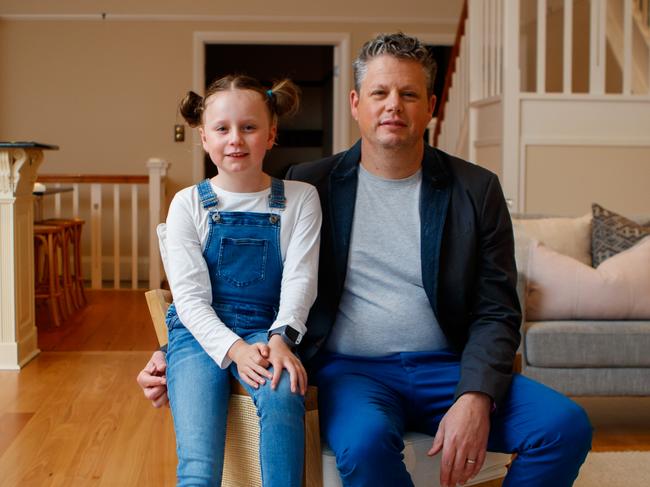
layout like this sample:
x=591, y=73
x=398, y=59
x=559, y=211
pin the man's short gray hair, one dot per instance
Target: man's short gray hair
x=400, y=46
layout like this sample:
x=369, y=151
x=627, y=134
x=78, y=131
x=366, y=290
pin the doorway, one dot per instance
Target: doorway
x=323, y=125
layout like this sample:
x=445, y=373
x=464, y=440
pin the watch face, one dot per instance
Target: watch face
x=292, y=335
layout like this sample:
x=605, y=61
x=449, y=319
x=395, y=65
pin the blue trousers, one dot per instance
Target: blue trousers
x=198, y=395
x=366, y=405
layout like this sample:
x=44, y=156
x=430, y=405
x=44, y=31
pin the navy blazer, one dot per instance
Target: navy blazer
x=467, y=254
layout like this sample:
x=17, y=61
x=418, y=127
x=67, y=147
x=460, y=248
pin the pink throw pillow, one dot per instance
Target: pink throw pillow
x=561, y=288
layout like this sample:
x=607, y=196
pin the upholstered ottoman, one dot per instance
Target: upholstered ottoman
x=424, y=470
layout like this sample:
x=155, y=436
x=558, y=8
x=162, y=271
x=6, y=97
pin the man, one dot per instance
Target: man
x=417, y=320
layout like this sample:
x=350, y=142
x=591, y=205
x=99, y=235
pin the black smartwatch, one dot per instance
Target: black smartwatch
x=290, y=336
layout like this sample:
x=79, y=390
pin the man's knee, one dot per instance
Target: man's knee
x=373, y=449
x=567, y=428
x=576, y=428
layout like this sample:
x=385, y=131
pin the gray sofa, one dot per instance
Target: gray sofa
x=580, y=357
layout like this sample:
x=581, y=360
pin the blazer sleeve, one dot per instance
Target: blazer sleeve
x=495, y=316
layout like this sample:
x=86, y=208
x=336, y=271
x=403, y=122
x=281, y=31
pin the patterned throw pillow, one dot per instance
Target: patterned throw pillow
x=612, y=233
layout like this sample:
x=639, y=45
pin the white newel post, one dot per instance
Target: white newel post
x=19, y=163
x=157, y=174
x=512, y=186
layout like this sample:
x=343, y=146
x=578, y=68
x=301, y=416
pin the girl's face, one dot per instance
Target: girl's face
x=237, y=131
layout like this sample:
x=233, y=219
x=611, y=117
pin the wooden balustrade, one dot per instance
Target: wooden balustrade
x=483, y=63
x=94, y=187
x=520, y=77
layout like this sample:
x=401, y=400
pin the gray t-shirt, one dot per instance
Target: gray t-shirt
x=384, y=308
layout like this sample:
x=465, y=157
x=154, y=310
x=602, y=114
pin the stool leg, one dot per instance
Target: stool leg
x=67, y=278
x=40, y=254
x=53, y=281
x=59, y=258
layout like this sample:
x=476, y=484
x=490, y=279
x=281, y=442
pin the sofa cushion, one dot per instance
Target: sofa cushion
x=559, y=287
x=568, y=236
x=593, y=381
x=576, y=344
x=612, y=233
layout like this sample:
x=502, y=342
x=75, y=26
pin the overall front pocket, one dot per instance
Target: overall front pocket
x=242, y=261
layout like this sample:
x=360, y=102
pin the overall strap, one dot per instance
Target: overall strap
x=207, y=195
x=277, y=198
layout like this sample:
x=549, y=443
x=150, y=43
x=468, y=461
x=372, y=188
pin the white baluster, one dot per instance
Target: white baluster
x=484, y=53
x=75, y=200
x=499, y=45
x=116, y=236
x=134, y=236
x=473, y=34
x=598, y=19
x=493, y=46
x=627, y=47
x=96, y=236
x=567, y=56
x=541, y=46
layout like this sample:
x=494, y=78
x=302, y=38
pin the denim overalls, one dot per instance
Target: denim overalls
x=244, y=260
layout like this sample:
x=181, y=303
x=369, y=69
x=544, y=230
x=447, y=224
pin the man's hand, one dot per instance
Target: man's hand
x=251, y=362
x=153, y=381
x=462, y=436
x=281, y=357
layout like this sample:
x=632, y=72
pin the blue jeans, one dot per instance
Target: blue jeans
x=198, y=394
x=366, y=404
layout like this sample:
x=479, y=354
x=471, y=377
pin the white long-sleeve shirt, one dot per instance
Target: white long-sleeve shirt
x=183, y=241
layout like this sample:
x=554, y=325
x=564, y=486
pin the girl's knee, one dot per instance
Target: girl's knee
x=281, y=398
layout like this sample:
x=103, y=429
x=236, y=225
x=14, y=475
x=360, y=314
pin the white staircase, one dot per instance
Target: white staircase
x=553, y=96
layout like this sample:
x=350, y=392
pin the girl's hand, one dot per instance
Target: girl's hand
x=252, y=363
x=281, y=357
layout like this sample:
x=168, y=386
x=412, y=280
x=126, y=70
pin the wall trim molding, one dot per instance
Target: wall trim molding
x=584, y=141
x=106, y=16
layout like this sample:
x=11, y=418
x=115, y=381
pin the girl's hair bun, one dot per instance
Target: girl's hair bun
x=191, y=108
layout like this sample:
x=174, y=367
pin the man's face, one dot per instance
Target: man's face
x=392, y=107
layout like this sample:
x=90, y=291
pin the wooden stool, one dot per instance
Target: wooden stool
x=48, y=240
x=72, y=277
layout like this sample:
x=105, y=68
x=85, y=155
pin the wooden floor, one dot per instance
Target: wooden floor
x=78, y=418
x=113, y=320
x=74, y=416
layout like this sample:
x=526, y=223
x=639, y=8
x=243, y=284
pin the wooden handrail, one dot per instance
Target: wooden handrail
x=451, y=68
x=93, y=178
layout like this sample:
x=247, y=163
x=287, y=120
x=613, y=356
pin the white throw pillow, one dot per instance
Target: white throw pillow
x=567, y=236
x=561, y=288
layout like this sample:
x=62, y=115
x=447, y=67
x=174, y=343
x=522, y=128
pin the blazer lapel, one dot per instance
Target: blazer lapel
x=434, y=201
x=342, y=196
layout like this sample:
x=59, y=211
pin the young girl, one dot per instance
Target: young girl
x=241, y=259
